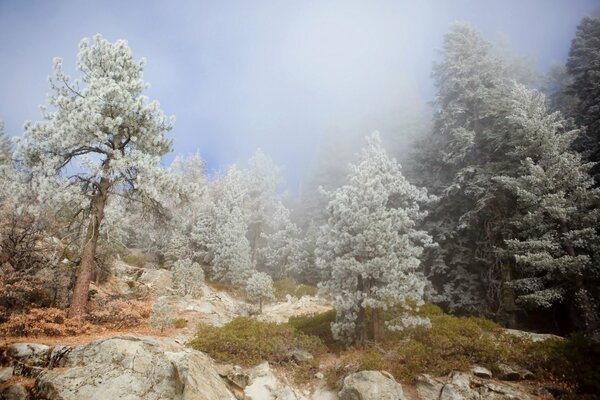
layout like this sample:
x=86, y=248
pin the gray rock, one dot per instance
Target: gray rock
x=514, y=373
x=500, y=391
x=370, y=385
x=459, y=388
x=133, y=367
x=535, y=337
x=481, y=372
x=300, y=356
x=264, y=385
x=507, y=373
x=14, y=392
x=158, y=280
x=33, y=354
x=5, y=374
x=428, y=388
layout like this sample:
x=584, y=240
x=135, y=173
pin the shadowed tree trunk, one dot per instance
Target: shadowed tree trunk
x=86, y=268
x=375, y=316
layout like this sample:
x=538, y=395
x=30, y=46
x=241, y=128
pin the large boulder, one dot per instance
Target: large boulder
x=159, y=281
x=371, y=385
x=264, y=385
x=132, y=367
x=32, y=354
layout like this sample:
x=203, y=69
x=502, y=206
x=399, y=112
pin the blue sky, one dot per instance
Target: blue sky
x=239, y=75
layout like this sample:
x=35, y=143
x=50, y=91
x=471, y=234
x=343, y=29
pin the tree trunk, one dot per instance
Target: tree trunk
x=86, y=267
x=582, y=311
x=361, y=320
x=260, y=306
x=508, y=296
x=375, y=314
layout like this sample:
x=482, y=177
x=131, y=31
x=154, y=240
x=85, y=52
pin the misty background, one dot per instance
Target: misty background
x=280, y=76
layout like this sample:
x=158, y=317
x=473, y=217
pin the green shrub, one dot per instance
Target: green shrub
x=284, y=287
x=135, y=260
x=247, y=342
x=180, y=323
x=573, y=362
x=318, y=325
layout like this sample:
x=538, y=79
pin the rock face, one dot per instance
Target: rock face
x=464, y=386
x=264, y=385
x=370, y=385
x=131, y=367
x=32, y=354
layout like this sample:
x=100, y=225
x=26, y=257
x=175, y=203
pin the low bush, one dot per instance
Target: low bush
x=43, y=322
x=180, y=323
x=318, y=325
x=247, y=342
x=135, y=260
x=161, y=315
x=285, y=287
x=119, y=314
x=456, y=343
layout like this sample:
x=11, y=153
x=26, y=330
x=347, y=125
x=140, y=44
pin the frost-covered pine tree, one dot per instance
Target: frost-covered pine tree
x=456, y=164
x=556, y=242
x=303, y=259
x=372, y=244
x=281, y=242
x=5, y=146
x=262, y=180
x=187, y=214
x=99, y=137
x=188, y=277
x=260, y=289
x=6, y=167
x=231, y=261
x=583, y=65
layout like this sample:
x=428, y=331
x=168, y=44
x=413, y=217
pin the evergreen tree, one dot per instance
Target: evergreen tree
x=371, y=244
x=455, y=164
x=188, y=277
x=281, y=243
x=555, y=241
x=101, y=138
x=583, y=65
x=259, y=289
x=5, y=146
x=230, y=249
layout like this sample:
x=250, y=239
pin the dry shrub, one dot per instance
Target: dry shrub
x=20, y=292
x=119, y=313
x=43, y=322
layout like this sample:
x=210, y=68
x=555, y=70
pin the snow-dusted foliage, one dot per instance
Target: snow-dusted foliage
x=259, y=288
x=228, y=244
x=5, y=146
x=583, y=67
x=6, y=168
x=281, y=242
x=555, y=240
x=453, y=164
x=303, y=266
x=100, y=137
x=162, y=314
x=262, y=178
x=188, y=277
x=371, y=243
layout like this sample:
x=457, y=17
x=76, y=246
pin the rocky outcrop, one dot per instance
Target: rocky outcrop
x=264, y=385
x=134, y=282
x=534, y=337
x=123, y=367
x=371, y=385
x=131, y=367
x=465, y=386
